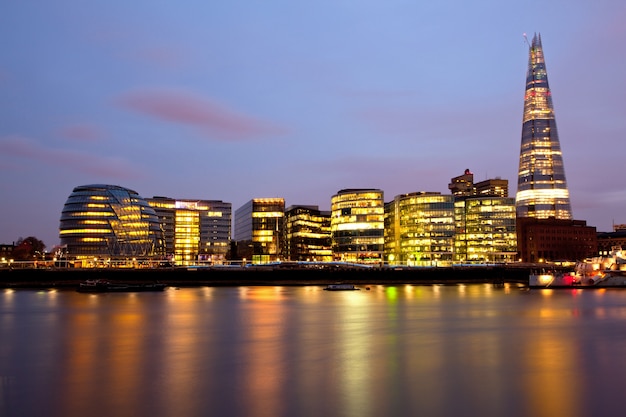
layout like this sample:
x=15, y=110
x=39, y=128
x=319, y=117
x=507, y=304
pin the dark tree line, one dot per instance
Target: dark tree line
x=28, y=249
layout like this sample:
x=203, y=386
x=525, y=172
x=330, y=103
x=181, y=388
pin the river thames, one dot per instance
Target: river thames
x=297, y=351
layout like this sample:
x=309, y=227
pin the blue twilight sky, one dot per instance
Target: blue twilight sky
x=235, y=100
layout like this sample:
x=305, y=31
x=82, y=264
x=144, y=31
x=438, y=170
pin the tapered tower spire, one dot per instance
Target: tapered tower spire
x=541, y=186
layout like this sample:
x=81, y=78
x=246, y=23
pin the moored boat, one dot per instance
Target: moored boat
x=599, y=272
x=101, y=285
x=341, y=287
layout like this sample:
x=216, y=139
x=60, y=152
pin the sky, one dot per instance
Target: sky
x=234, y=100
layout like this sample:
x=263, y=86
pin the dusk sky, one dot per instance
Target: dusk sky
x=235, y=100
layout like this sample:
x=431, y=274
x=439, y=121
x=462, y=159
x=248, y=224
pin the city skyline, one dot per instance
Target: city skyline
x=239, y=101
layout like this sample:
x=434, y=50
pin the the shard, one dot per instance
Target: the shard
x=541, y=187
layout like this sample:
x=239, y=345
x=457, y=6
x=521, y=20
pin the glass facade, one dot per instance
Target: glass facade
x=541, y=188
x=195, y=231
x=103, y=222
x=419, y=229
x=357, y=225
x=307, y=234
x=485, y=230
x=258, y=229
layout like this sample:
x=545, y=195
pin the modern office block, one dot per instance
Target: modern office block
x=419, y=229
x=485, y=230
x=541, y=188
x=194, y=231
x=258, y=230
x=494, y=187
x=101, y=224
x=357, y=225
x=307, y=234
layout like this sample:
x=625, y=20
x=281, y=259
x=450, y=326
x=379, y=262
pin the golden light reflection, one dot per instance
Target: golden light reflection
x=263, y=375
x=550, y=377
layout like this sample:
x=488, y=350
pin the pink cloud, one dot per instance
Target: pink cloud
x=20, y=147
x=81, y=132
x=211, y=118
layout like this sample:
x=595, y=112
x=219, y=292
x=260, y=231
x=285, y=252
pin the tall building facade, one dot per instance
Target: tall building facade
x=259, y=229
x=419, y=229
x=307, y=234
x=194, y=231
x=357, y=225
x=541, y=187
x=485, y=230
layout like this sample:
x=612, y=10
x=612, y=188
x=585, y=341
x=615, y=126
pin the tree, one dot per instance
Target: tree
x=28, y=249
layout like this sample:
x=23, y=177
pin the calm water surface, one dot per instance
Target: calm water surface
x=466, y=350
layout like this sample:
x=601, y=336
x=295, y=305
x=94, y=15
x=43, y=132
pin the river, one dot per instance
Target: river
x=298, y=351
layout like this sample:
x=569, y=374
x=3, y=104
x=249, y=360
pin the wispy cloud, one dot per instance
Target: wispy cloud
x=212, y=119
x=82, y=133
x=85, y=163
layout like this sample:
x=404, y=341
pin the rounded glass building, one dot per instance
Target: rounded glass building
x=110, y=222
x=357, y=225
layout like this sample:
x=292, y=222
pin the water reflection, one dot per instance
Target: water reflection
x=285, y=351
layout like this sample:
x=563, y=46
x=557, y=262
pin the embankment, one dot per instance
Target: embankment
x=183, y=277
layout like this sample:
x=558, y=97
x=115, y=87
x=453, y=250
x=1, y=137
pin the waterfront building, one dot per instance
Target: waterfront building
x=609, y=240
x=194, y=231
x=484, y=220
x=419, y=229
x=6, y=254
x=541, y=188
x=485, y=230
x=357, y=225
x=547, y=240
x=102, y=225
x=307, y=234
x=258, y=230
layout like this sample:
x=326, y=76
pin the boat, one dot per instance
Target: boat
x=102, y=285
x=598, y=272
x=341, y=287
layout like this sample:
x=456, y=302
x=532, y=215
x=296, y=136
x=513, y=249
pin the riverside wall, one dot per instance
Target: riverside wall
x=250, y=276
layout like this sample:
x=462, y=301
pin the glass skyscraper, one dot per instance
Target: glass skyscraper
x=541, y=187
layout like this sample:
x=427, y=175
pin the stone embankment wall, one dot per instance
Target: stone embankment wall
x=58, y=278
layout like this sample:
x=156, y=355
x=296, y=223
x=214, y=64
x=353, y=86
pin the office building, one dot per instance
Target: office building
x=357, y=225
x=258, y=230
x=609, y=241
x=485, y=230
x=494, y=187
x=194, y=231
x=102, y=225
x=541, y=188
x=419, y=229
x=549, y=240
x=307, y=234
x=484, y=221
x=462, y=185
